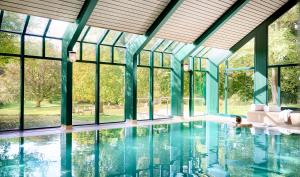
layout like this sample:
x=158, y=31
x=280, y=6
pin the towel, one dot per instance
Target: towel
x=285, y=115
x=257, y=107
x=272, y=108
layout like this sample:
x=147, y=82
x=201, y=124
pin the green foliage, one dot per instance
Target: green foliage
x=42, y=80
x=83, y=83
x=282, y=50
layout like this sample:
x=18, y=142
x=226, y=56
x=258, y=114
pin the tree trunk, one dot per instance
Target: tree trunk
x=38, y=103
x=274, y=82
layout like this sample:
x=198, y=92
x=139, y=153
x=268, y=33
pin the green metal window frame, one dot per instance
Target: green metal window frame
x=227, y=70
x=97, y=62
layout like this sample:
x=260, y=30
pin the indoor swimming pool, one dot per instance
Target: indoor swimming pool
x=182, y=149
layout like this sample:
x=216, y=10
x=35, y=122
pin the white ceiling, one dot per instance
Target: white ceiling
x=188, y=22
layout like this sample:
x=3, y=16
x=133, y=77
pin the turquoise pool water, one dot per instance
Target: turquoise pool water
x=187, y=149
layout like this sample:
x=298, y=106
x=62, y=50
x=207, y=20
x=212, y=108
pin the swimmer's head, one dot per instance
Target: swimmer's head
x=238, y=119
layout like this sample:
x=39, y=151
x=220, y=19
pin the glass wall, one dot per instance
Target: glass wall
x=186, y=82
x=42, y=93
x=162, y=93
x=199, y=93
x=283, y=47
x=143, y=93
x=240, y=92
x=83, y=93
x=240, y=85
x=284, y=70
x=290, y=87
x=112, y=93
x=9, y=93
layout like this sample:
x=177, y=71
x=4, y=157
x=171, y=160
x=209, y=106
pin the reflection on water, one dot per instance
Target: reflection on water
x=187, y=149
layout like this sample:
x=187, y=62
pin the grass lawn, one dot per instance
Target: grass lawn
x=48, y=115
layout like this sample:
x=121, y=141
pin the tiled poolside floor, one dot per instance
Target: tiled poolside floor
x=215, y=118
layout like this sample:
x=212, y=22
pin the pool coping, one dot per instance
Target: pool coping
x=209, y=118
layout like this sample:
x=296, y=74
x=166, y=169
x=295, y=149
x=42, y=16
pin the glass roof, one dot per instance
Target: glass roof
x=94, y=34
x=37, y=25
x=203, y=52
x=196, y=52
x=152, y=43
x=57, y=28
x=111, y=37
x=82, y=33
x=125, y=39
x=13, y=21
x=163, y=45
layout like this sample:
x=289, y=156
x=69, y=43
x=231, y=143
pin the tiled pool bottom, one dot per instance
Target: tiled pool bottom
x=184, y=149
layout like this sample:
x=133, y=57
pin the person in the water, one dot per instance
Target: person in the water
x=238, y=122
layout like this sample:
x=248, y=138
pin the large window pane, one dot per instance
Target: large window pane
x=9, y=93
x=240, y=92
x=144, y=58
x=186, y=82
x=167, y=60
x=290, y=87
x=162, y=91
x=53, y=48
x=119, y=55
x=221, y=88
x=143, y=93
x=157, y=59
x=83, y=93
x=112, y=93
x=37, y=25
x=199, y=93
x=57, y=28
x=13, y=21
x=88, y=52
x=42, y=93
x=10, y=43
x=244, y=57
x=283, y=47
x=105, y=53
x=33, y=45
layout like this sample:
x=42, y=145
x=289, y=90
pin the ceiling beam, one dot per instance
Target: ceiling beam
x=70, y=38
x=282, y=10
x=189, y=49
x=74, y=29
x=140, y=42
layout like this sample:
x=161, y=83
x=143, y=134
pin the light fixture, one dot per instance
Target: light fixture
x=186, y=67
x=72, y=56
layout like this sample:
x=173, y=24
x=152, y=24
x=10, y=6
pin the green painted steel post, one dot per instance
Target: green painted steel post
x=97, y=85
x=212, y=94
x=70, y=38
x=191, y=87
x=278, y=86
x=22, y=74
x=176, y=87
x=22, y=78
x=151, y=86
x=226, y=88
x=131, y=88
x=132, y=53
x=261, y=66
